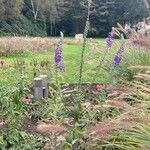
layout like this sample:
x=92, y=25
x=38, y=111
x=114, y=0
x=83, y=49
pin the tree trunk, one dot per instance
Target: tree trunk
x=35, y=10
x=147, y=6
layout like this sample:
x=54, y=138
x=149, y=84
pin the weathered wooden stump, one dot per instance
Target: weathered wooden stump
x=38, y=89
x=44, y=85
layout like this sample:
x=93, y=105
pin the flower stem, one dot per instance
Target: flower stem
x=84, y=45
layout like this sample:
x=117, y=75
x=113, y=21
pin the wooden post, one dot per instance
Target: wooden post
x=38, y=89
x=44, y=85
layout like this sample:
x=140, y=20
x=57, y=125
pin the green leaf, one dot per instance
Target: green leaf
x=23, y=134
x=103, y=94
x=2, y=140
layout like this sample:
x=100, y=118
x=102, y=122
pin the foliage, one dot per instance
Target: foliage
x=98, y=115
x=110, y=112
x=49, y=17
x=20, y=140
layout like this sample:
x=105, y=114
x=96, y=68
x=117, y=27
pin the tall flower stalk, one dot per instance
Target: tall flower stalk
x=84, y=44
x=58, y=55
x=77, y=107
x=59, y=65
x=118, y=57
x=119, y=54
x=110, y=39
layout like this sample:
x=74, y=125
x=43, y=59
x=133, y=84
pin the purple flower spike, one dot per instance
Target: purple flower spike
x=58, y=52
x=118, y=56
x=110, y=39
x=117, y=60
x=58, y=55
x=121, y=49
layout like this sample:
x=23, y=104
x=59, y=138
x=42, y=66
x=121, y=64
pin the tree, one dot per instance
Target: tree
x=102, y=17
x=52, y=12
x=12, y=9
x=53, y=16
x=76, y=14
x=130, y=10
x=35, y=8
x=147, y=4
x=2, y=10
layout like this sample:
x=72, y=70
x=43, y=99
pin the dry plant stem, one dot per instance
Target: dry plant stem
x=82, y=62
x=84, y=46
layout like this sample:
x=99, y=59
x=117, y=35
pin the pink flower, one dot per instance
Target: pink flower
x=99, y=87
x=2, y=62
x=27, y=100
x=2, y=123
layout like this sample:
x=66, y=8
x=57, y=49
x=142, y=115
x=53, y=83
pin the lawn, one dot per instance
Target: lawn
x=71, y=57
x=94, y=55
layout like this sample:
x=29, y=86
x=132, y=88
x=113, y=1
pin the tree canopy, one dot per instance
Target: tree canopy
x=48, y=17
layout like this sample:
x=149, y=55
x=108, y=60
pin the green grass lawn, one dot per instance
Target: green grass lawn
x=71, y=55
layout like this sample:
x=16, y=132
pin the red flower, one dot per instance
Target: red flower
x=27, y=100
x=2, y=62
x=99, y=87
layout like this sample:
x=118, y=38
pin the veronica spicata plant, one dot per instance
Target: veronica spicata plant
x=110, y=39
x=59, y=65
x=117, y=59
x=58, y=54
x=119, y=55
